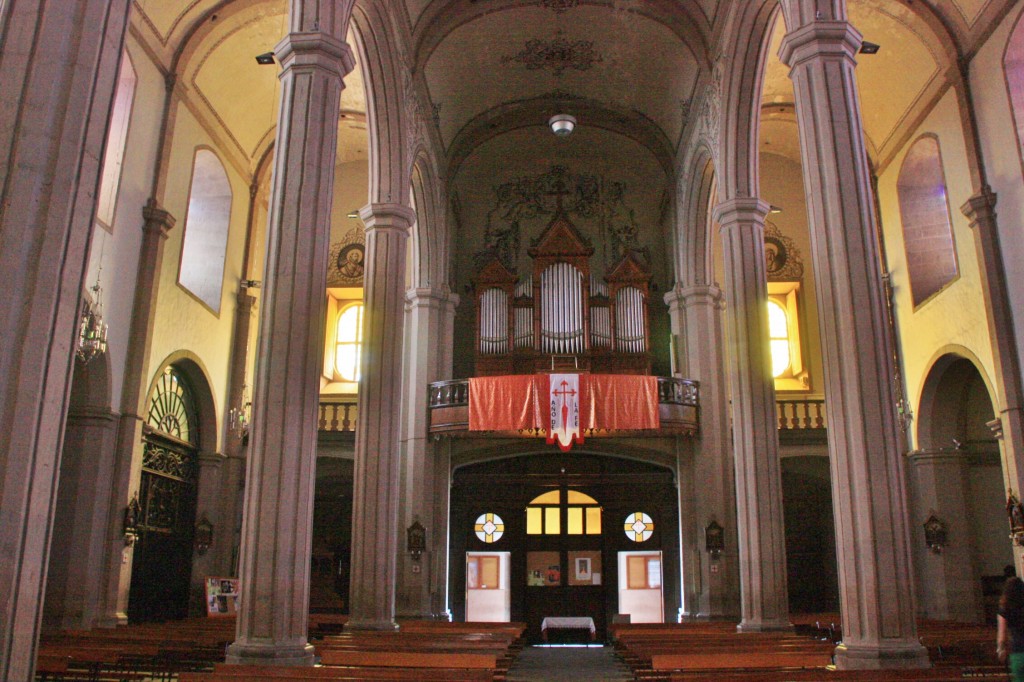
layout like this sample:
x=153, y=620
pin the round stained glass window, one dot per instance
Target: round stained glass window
x=489, y=527
x=639, y=526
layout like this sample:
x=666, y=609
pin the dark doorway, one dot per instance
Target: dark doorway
x=166, y=504
x=810, y=535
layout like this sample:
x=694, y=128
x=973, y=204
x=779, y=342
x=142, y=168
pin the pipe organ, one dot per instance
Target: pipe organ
x=562, y=316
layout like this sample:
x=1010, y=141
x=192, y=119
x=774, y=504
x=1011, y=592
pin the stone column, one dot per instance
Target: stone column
x=58, y=71
x=876, y=593
x=425, y=318
x=980, y=210
x=947, y=587
x=79, y=549
x=278, y=512
x=699, y=312
x=128, y=452
x=764, y=599
x=441, y=455
x=375, y=521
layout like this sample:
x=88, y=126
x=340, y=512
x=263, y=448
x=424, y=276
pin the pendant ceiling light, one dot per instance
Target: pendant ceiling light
x=562, y=124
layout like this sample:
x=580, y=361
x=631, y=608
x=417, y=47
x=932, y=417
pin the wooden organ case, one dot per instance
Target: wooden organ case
x=562, y=317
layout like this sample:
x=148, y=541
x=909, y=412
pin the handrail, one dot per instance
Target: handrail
x=671, y=391
x=801, y=413
x=338, y=415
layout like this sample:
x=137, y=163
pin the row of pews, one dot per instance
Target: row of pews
x=193, y=651
x=714, y=650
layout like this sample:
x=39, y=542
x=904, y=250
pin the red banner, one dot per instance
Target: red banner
x=561, y=407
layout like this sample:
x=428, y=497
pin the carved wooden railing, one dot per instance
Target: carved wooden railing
x=338, y=415
x=799, y=414
x=678, y=404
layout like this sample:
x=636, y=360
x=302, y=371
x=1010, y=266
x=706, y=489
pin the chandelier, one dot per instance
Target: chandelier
x=92, y=330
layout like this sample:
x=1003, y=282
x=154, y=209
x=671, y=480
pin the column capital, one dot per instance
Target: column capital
x=980, y=209
x=820, y=39
x=696, y=294
x=741, y=210
x=315, y=49
x=430, y=297
x=157, y=219
x=387, y=216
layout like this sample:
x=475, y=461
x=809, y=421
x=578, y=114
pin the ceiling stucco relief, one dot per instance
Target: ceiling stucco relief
x=623, y=59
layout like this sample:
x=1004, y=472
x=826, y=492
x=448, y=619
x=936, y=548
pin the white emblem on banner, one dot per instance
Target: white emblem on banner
x=564, y=397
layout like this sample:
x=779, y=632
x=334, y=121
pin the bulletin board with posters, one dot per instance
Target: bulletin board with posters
x=221, y=596
x=543, y=569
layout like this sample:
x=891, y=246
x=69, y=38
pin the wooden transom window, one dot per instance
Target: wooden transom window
x=578, y=514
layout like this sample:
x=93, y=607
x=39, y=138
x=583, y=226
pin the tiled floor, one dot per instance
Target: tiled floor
x=565, y=664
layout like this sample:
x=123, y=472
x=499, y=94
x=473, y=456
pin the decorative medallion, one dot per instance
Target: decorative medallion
x=489, y=527
x=559, y=6
x=346, y=260
x=782, y=259
x=584, y=198
x=557, y=55
x=639, y=527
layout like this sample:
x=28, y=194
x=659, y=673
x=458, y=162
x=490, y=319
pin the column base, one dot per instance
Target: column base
x=245, y=653
x=859, y=657
x=764, y=626
x=385, y=625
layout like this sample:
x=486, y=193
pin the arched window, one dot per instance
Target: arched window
x=582, y=514
x=349, y=341
x=924, y=211
x=206, y=230
x=113, y=155
x=778, y=333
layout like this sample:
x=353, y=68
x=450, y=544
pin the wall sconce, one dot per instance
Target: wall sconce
x=935, y=534
x=714, y=540
x=130, y=522
x=202, y=538
x=416, y=540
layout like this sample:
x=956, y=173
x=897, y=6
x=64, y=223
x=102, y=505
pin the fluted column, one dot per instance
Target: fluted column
x=981, y=211
x=375, y=521
x=764, y=600
x=425, y=317
x=876, y=594
x=58, y=70
x=698, y=310
x=278, y=509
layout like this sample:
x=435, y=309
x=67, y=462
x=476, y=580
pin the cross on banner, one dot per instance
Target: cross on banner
x=564, y=410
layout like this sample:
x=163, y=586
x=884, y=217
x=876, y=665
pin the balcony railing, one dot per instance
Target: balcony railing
x=800, y=414
x=338, y=416
x=678, y=403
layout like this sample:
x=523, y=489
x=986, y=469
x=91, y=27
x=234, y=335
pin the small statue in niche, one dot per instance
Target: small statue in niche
x=1015, y=515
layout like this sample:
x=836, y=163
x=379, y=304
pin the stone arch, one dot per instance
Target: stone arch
x=430, y=237
x=1013, y=72
x=739, y=98
x=390, y=167
x=693, y=261
x=955, y=377
x=206, y=405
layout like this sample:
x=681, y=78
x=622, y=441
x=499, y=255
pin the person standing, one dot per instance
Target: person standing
x=1010, y=633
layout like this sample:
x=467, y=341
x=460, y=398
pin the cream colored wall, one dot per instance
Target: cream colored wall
x=1003, y=158
x=118, y=251
x=954, y=317
x=182, y=321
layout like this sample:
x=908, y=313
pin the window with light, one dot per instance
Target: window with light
x=778, y=333
x=348, y=346
x=582, y=514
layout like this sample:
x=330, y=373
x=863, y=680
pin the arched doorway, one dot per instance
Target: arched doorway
x=564, y=531
x=166, y=503
x=956, y=479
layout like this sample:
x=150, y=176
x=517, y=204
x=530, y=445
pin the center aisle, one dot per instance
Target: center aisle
x=571, y=664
